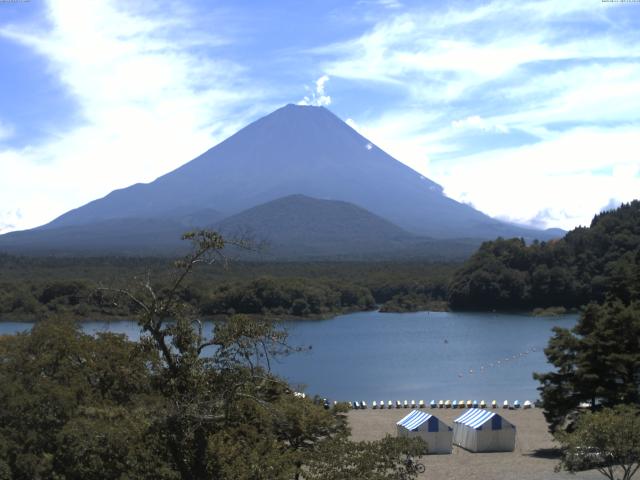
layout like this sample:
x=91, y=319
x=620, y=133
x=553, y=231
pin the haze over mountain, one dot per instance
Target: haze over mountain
x=300, y=227
x=296, y=150
x=117, y=236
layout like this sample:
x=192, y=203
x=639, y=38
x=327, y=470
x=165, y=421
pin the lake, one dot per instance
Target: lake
x=404, y=356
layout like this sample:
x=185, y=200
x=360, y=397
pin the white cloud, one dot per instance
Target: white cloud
x=475, y=122
x=439, y=60
x=559, y=177
x=612, y=204
x=320, y=84
x=8, y=220
x=390, y=3
x=148, y=101
x=6, y=131
x=318, y=96
x=387, y=4
x=551, y=216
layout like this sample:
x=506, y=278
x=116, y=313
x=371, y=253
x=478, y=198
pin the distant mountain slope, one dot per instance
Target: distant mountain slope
x=299, y=225
x=299, y=150
x=120, y=236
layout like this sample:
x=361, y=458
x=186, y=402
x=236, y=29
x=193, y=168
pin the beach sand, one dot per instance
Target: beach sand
x=534, y=458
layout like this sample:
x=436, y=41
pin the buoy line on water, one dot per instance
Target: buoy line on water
x=498, y=363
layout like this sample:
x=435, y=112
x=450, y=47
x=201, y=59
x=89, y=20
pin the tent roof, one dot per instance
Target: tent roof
x=414, y=419
x=475, y=418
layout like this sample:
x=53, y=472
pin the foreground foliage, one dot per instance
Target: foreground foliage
x=608, y=440
x=76, y=405
x=178, y=404
x=341, y=459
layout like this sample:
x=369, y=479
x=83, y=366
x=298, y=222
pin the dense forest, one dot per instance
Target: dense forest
x=588, y=264
x=75, y=406
x=32, y=287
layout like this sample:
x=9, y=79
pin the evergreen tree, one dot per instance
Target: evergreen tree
x=598, y=362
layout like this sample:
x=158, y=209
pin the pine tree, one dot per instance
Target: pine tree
x=597, y=362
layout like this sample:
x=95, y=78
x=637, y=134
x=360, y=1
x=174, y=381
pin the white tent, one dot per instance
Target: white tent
x=484, y=431
x=437, y=434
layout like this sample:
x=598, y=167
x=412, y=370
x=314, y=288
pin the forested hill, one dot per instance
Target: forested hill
x=586, y=265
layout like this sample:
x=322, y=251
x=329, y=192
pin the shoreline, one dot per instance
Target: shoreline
x=543, y=313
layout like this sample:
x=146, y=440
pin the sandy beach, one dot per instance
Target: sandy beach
x=534, y=458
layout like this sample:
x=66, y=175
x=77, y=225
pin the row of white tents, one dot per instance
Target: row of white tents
x=476, y=430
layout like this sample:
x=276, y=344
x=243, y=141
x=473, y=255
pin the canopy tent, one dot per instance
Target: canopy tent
x=484, y=431
x=436, y=433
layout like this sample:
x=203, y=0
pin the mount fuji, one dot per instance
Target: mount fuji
x=296, y=151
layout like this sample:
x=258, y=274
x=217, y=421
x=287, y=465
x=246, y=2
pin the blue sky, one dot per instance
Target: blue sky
x=528, y=110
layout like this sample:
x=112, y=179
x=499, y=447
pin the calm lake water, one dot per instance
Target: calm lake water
x=397, y=356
